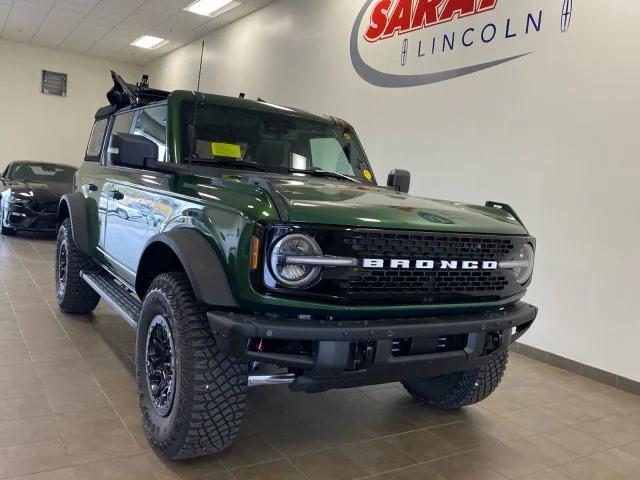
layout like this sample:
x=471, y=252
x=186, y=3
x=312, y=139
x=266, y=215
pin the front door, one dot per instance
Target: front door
x=129, y=218
x=130, y=196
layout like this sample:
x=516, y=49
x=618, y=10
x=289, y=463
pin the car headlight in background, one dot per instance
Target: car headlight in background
x=522, y=265
x=17, y=200
x=286, y=271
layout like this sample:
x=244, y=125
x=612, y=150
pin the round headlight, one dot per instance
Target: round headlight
x=291, y=274
x=527, y=257
x=14, y=199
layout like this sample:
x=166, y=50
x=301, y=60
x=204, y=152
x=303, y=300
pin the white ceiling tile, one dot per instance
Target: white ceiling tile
x=112, y=42
x=84, y=36
x=120, y=7
x=79, y=8
x=158, y=8
x=165, y=5
x=131, y=54
x=184, y=21
x=49, y=40
x=106, y=27
x=100, y=51
x=40, y=3
x=57, y=27
x=177, y=4
x=24, y=10
x=32, y=5
x=104, y=18
x=23, y=21
x=76, y=4
x=144, y=21
x=61, y=16
x=17, y=34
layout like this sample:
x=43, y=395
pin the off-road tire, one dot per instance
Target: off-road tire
x=460, y=389
x=75, y=296
x=210, y=387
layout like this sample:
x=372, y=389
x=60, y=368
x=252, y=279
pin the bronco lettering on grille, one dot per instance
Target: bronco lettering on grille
x=429, y=264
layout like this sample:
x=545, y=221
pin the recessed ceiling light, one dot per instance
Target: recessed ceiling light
x=211, y=8
x=149, y=42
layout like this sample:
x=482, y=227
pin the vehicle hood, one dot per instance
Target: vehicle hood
x=38, y=191
x=320, y=201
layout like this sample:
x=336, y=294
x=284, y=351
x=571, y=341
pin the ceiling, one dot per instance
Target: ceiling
x=105, y=28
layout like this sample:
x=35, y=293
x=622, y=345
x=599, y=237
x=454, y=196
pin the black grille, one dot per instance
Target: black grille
x=407, y=286
x=425, y=282
x=409, y=282
x=43, y=207
x=431, y=246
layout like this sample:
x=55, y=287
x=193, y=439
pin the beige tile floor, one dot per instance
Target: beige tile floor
x=68, y=410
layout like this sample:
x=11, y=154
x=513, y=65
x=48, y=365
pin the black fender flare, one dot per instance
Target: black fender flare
x=76, y=207
x=200, y=262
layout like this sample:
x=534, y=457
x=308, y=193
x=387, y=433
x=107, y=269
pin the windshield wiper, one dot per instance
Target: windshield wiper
x=228, y=163
x=324, y=173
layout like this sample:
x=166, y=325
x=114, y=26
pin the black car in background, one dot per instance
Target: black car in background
x=30, y=193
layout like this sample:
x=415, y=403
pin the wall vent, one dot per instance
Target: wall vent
x=54, y=83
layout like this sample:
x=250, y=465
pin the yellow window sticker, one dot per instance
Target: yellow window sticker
x=228, y=150
x=367, y=174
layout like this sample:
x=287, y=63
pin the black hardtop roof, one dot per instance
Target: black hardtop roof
x=256, y=105
x=125, y=96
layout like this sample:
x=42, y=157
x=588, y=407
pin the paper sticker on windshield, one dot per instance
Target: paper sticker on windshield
x=367, y=174
x=228, y=150
x=347, y=136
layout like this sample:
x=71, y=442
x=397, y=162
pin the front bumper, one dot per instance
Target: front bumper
x=20, y=217
x=362, y=352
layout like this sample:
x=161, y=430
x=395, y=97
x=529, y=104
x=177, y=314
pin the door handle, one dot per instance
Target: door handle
x=117, y=195
x=92, y=187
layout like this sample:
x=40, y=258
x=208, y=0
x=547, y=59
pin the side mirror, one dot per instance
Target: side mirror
x=133, y=150
x=400, y=180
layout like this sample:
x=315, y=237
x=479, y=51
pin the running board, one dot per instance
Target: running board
x=117, y=296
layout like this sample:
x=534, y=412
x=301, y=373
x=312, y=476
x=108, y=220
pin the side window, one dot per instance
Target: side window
x=327, y=154
x=151, y=123
x=121, y=124
x=95, y=140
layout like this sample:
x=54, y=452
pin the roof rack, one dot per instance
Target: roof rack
x=124, y=94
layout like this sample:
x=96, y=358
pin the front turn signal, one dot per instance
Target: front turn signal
x=255, y=252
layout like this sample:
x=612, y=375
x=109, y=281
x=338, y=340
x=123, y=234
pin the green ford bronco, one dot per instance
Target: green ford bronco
x=251, y=244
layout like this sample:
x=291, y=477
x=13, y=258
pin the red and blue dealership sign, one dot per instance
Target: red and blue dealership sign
x=406, y=43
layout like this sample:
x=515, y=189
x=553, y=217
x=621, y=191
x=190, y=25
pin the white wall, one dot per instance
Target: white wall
x=554, y=134
x=34, y=126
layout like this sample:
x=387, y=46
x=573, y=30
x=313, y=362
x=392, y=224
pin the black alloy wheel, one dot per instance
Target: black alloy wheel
x=73, y=294
x=160, y=365
x=62, y=268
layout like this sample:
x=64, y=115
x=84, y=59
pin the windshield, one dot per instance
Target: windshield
x=33, y=172
x=278, y=143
